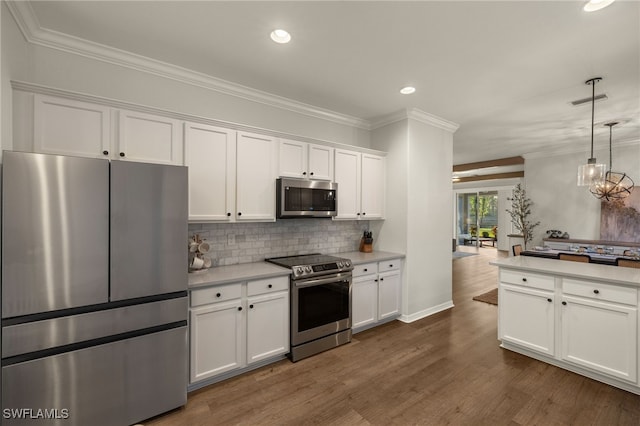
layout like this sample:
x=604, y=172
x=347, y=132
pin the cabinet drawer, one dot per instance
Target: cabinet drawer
x=267, y=285
x=216, y=294
x=599, y=291
x=389, y=265
x=544, y=282
x=364, y=269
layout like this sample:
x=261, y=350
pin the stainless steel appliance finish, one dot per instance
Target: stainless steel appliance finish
x=320, y=303
x=296, y=198
x=94, y=280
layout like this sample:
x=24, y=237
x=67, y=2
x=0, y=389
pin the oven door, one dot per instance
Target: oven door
x=320, y=307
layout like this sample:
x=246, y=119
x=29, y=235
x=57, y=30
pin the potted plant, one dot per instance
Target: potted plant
x=520, y=211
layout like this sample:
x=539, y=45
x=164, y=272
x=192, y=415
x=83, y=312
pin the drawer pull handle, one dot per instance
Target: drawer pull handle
x=304, y=173
x=239, y=308
x=270, y=286
x=218, y=294
x=391, y=266
x=381, y=279
x=549, y=300
x=564, y=303
x=596, y=291
x=524, y=279
x=365, y=269
x=375, y=280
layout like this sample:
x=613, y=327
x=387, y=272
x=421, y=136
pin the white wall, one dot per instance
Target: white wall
x=559, y=203
x=418, y=218
x=75, y=73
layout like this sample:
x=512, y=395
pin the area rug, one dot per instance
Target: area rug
x=459, y=254
x=488, y=297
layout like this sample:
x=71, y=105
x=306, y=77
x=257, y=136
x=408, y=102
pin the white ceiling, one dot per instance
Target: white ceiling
x=505, y=71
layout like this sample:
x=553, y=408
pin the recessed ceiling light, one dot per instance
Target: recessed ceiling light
x=407, y=90
x=594, y=5
x=280, y=36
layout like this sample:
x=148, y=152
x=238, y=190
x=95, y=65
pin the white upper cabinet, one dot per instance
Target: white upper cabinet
x=361, y=189
x=149, y=138
x=256, y=173
x=305, y=161
x=347, y=176
x=210, y=154
x=67, y=127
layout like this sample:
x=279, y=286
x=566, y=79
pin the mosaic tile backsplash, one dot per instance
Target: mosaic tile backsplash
x=233, y=243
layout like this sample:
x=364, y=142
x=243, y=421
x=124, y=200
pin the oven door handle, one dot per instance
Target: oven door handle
x=319, y=281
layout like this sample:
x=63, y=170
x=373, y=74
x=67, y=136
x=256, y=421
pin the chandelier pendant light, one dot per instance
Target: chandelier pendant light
x=616, y=186
x=593, y=172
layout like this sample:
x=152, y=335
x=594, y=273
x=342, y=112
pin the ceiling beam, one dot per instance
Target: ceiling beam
x=507, y=175
x=491, y=163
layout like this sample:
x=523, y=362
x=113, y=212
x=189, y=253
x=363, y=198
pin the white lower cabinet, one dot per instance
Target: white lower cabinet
x=376, y=293
x=235, y=325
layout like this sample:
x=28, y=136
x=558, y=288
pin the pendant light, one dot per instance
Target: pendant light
x=615, y=186
x=591, y=173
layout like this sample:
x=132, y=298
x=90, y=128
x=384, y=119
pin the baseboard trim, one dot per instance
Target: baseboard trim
x=426, y=312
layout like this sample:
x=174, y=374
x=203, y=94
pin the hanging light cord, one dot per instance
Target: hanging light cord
x=610, y=152
x=593, y=110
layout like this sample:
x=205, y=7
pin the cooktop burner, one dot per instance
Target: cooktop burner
x=309, y=265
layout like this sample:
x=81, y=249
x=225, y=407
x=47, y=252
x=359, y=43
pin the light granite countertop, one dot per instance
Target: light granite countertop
x=587, y=271
x=258, y=270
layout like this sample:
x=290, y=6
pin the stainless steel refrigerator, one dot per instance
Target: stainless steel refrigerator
x=94, y=290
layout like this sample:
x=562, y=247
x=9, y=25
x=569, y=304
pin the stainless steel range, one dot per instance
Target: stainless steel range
x=320, y=302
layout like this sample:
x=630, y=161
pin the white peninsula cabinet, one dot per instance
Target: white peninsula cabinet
x=234, y=326
x=70, y=127
x=305, y=161
x=376, y=293
x=581, y=317
x=231, y=174
x=361, y=187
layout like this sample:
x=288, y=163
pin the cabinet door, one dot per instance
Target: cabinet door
x=69, y=127
x=347, y=175
x=600, y=336
x=526, y=318
x=293, y=159
x=256, y=172
x=364, y=301
x=210, y=155
x=320, y=162
x=373, y=187
x=267, y=326
x=216, y=339
x=389, y=285
x=149, y=138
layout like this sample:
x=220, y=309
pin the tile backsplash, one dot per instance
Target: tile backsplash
x=233, y=243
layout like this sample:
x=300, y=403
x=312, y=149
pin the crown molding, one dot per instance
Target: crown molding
x=418, y=115
x=30, y=27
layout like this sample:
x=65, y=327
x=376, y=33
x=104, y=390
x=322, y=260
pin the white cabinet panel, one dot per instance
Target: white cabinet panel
x=347, y=175
x=364, y=301
x=293, y=159
x=67, y=127
x=600, y=336
x=320, y=162
x=526, y=318
x=210, y=155
x=373, y=187
x=256, y=172
x=216, y=339
x=267, y=326
x=149, y=138
x=389, y=289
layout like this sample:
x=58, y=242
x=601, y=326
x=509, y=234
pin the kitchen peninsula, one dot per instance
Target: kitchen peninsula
x=577, y=316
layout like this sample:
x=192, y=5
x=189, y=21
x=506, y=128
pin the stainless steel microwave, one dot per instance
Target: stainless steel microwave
x=297, y=198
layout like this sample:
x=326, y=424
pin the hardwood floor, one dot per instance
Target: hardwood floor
x=444, y=369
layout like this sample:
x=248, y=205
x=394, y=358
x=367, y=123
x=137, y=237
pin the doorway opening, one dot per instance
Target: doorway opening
x=477, y=218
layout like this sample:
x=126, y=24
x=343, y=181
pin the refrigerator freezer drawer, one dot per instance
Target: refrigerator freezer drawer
x=39, y=335
x=118, y=383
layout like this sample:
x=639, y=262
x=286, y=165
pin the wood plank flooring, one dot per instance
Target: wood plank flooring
x=446, y=369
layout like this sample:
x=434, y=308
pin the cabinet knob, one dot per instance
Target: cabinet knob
x=122, y=154
x=596, y=291
x=239, y=213
x=365, y=269
x=270, y=286
x=105, y=152
x=239, y=308
x=358, y=213
x=228, y=214
x=391, y=265
x=564, y=303
x=549, y=300
x=250, y=306
x=311, y=173
x=381, y=279
x=363, y=213
x=218, y=294
x=304, y=173
x=524, y=279
x=375, y=280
